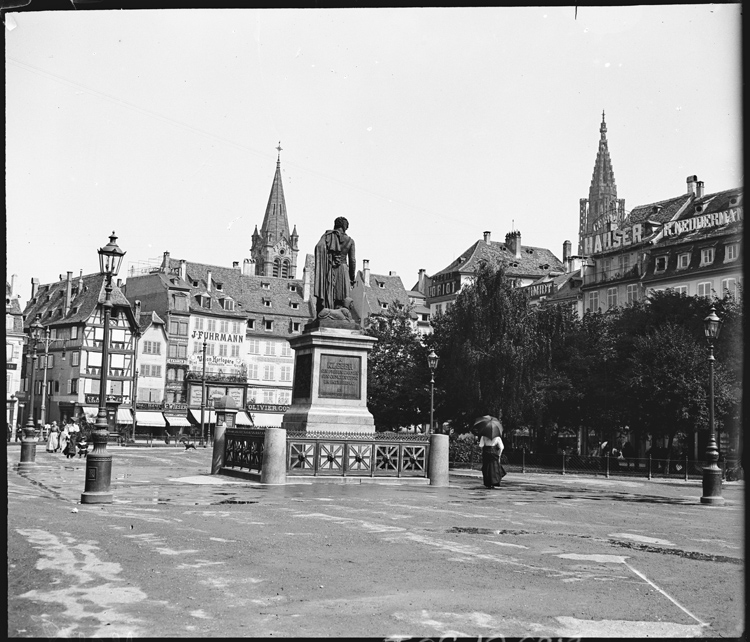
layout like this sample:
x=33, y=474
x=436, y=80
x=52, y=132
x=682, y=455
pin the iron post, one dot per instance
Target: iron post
x=28, y=442
x=711, y=473
x=203, y=398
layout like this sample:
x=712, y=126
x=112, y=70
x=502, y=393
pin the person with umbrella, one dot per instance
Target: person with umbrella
x=492, y=447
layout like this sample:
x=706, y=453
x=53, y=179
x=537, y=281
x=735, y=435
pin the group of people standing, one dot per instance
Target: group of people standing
x=69, y=440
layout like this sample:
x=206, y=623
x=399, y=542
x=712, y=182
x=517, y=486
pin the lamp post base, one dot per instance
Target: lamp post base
x=712, y=486
x=95, y=497
x=26, y=466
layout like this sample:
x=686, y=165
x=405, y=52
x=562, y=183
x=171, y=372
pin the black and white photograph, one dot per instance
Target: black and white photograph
x=386, y=322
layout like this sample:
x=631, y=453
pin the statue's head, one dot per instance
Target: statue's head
x=342, y=223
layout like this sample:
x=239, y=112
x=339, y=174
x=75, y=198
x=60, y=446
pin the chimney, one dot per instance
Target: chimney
x=567, y=246
x=13, y=278
x=137, y=311
x=699, y=190
x=248, y=267
x=306, y=277
x=422, y=282
x=366, y=272
x=208, y=281
x=392, y=273
x=487, y=237
x=68, y=292
x=165, y=263
x=183, y=269
x=34, y=287
x=513, y=243
x=235, y=265
x=692, y=184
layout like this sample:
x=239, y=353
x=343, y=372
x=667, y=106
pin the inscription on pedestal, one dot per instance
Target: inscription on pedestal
x=302, y=387
x=339, y=377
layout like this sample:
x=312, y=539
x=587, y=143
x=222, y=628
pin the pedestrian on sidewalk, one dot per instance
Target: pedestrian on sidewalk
x=492, y=447
x=53, y=439
x=64, y=438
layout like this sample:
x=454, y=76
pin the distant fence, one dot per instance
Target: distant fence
x=521, y=461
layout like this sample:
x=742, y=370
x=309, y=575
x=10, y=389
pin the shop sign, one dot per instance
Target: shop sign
x=148, y=405
x=92, y=400
x=11, y=366
x=177, y=362
x=266, y=407
x=539, y=289
x=613, y=239
x=716, y=219
x=200, y=335
x=175, y=406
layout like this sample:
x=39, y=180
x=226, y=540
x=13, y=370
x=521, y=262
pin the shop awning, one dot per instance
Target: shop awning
x=124, y=416
x=209, y=416
x=268, y=419
x=243, y=419
x=178, y=421
x=150, y=418
x=90, y=413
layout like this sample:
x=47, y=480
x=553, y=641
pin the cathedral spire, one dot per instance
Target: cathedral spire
x=602, y=206
x=275, y=224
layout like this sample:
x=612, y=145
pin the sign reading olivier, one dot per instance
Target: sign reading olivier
x=339, y=377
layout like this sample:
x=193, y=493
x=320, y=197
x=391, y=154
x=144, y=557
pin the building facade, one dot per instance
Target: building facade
x=14, y=343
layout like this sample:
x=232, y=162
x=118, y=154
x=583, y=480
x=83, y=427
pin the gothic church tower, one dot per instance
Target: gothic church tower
x=602, y=208
x=274, y=250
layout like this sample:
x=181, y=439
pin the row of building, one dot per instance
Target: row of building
x=180, y=328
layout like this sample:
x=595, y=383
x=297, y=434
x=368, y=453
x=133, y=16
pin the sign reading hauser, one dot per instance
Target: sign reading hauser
x=340, y=377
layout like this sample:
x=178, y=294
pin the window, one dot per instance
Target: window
x=707, y=256
x=285, y=397
x=212, y=325
x=292, y=287
x=74, y=332
x=286, y=373
x=253, y=346
x=252, y=371
x=73, y=386
x=251, y=324
x=704, y=289
x=75, y=359
x=269, y=326
x=235, y=351
x=222, y=349
x=171, y=374
x=265, y=286
x=593, y=301
x=681, y=289
x=206, y=302
x=683, y=261
x=219, y=286
x=271, y=347
x=199, y=323
x=383, y=306
x=267, y=303
x=151, y=347
x=286, y=349
x=210, y=349
x=224, y=326
x=295, y=327
x=661, y=264
x=732, y=252
x=236, y=327
x=268, y=373
x=179, y=328
x=632, y=293
x=197, y=347
x=294, y=305
x=611, y=298
x=180, y=302
x=145, y=370
x=268, y=396
x=729, y=286
x=180, y=373
x=50, y=361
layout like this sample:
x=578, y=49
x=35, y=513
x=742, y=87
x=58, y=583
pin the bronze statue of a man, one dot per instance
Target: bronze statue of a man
x=335, y=267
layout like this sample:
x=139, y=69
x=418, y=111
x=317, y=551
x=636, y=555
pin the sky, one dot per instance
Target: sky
x=424, y=127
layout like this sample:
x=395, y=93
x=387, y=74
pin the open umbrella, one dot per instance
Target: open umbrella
x=488, y=426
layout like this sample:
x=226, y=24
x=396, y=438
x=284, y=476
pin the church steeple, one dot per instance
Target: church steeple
x=602, y=207
x=274, y=250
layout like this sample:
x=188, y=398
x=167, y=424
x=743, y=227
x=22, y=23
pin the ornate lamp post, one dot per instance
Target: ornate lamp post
x=99, y=461
x=203, y=398
x=711, y=473
x=28, y=443
x=432, y=361
x=43, y=410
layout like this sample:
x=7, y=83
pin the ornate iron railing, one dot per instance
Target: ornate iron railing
x=357, y=454
x=244, y=448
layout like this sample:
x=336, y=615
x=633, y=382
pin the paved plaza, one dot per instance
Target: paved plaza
x=181, y=553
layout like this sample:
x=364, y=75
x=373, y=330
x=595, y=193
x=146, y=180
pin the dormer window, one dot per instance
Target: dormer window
x=683, y=261
x=268, y=324
x=294, y=305
x=206, y=302
x=267, y=303
x=194, y=283
x=251, y=324
x=219, y=286
x=265, y=286
x=381, y=285
x=383, y=306
x=661, y=264
x=732, y=252
x=227, y=304
x=707, y=256
x=292, y=288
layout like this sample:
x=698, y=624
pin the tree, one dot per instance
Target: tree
x=397, y=372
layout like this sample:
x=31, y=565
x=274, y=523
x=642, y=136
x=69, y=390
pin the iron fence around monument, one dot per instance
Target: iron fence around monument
x=243, y=448
x=357, y=454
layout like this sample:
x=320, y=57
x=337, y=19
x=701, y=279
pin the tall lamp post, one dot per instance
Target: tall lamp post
x=99, y=461
x=203, y=398
x=432, y=361
x=28, y=443
x=43, y=409
x=712, y=472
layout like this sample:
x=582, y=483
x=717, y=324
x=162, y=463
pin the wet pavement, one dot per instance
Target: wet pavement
x=182, y=553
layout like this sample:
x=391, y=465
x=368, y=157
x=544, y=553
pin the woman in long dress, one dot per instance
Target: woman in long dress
x=53, y=439
x=492, y=449
x=64, y=438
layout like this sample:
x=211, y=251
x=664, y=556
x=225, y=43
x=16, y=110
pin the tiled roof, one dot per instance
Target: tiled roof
x=12, y=306
x=534, y=261
x=248, y=291
x=49, y=301
x=383, y=290
x=659, y=212
x=149, y=318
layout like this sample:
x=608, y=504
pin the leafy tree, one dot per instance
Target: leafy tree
x=397, y=372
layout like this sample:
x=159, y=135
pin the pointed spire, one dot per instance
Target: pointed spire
x=275, y=224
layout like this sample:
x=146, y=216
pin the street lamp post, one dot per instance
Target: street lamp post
x=99, y=461
x=203, y=398
x=28, y=443
x=43, y=410
x=432, y=361
x=712, y=472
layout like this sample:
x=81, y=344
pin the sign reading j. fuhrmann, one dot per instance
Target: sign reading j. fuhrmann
x=339, y=377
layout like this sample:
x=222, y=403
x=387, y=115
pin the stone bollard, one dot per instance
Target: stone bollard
x=273, y=469
x=219, y=449
x=438, y=464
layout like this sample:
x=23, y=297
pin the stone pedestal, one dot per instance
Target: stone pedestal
x=330, y=379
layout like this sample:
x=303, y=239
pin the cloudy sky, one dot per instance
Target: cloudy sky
x=424, y=127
